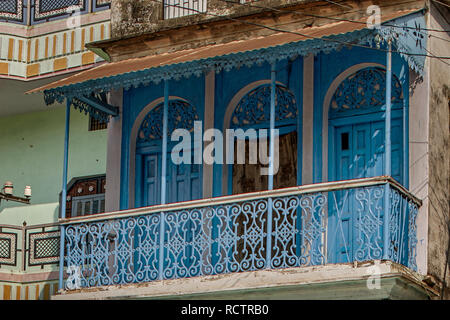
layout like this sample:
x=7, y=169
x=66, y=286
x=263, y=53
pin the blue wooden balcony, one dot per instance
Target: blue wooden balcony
x=325, y=223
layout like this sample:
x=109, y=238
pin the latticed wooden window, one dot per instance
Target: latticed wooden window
x=87, y=205
x=86, y=196
x=95, y=124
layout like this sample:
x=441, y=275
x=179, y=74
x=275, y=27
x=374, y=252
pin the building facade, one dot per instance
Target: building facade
x=309, y=160
x=41, y=42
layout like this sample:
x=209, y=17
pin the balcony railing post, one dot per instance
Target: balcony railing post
x=271, y=162
x=388, y=111
x=387, y=211
x=387, y=148
x=64, y=195
x=163, y=177
x=24, y=245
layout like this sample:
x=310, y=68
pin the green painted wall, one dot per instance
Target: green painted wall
x=31, y=149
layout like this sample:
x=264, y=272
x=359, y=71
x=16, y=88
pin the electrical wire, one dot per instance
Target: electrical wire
x=247, y=4
x=296, y=33
x=433, y=56
x=442, y=3
x=339, y=4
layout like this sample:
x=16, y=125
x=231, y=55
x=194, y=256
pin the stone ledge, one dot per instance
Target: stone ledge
x=26, y=277
x=336, y=281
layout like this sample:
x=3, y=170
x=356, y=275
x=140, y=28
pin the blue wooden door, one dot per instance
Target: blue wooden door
x=151, y=179
x=183, y=180
x=359, y=153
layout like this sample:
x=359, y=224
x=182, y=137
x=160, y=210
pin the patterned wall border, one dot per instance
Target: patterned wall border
x=42, y=290
x=11, y=258
x=58, y=10
x=36, y=257
x=16, y=11
x=8, y=15
x=61, y=52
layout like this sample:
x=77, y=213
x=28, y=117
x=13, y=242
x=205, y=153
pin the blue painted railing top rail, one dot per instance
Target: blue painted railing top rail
x=230, y=234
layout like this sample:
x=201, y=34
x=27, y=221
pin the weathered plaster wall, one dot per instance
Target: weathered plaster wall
x=156, y=36
x=418, y=157
x=137, y=17
x=31, y=147
x=134, y=17
x=439, y=147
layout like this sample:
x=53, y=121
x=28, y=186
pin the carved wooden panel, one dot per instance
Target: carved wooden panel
x=82, y=188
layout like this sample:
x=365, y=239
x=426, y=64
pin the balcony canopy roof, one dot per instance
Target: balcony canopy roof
x=272, y=48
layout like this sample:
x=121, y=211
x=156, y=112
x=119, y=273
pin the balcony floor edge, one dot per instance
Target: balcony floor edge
x=363, y=280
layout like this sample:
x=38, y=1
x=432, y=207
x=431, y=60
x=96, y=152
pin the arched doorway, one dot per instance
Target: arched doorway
x=183, y=180
x=253, y=112
x=357, y=150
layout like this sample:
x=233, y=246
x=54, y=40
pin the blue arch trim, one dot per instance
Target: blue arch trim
x=182, y=115
x=363, y=92
x=254, y=107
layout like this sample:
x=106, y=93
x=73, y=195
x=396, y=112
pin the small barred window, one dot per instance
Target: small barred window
x=95, y=124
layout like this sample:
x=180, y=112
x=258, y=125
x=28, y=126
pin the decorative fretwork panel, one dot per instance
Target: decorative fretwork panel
x=8, y=248
x=86, y=195
x=9, y=6
x=236, y=236
x=44, y=248
x=44, y=9
x=369, y=206
x=181, y=116
x=254, y=107
x=11, y=10
x=413, y=211
x=365, y=91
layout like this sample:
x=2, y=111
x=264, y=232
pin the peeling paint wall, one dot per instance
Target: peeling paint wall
x=134, y=17
x=154, y=35
x=439, y=146
x=419, y=157
x=137, y=17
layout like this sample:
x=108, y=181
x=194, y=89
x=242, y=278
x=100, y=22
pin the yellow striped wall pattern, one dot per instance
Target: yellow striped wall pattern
x=61, y=51
x=28, y=291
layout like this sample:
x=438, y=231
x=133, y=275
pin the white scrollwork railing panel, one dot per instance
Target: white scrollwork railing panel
x=147, y=247
x=369, y=222
x=412, y=236
x=249, y=223
x=185, y=244
x=396, y=225
x=286, y=231
x=313, y=221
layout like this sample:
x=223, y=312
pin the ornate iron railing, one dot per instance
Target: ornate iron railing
x=293, y=227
